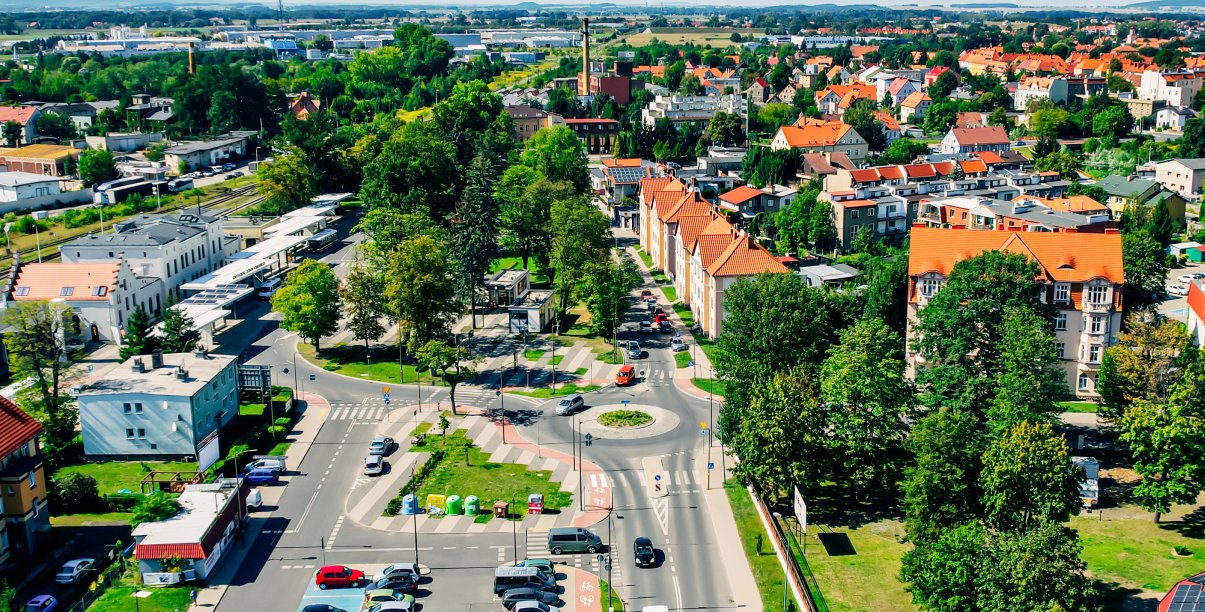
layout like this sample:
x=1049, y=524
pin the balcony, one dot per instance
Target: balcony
x=1099, y=307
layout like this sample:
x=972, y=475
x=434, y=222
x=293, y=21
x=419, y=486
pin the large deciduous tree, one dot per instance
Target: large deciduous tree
x=607, y=286
x=1147, y=360
x=1028, y=479
x=725, y=130
x=36, y=338
x=558, y=154
x=96, y=166
x=525, y=205
x=940, y=490
x=309, y=302
x=420, y=291
x=364, y=293
x=781, y=440
x=288, y=182
x=416, y=171
x=1145, y=268
x=581, y=236
x=454, y=364
x=1029, y=379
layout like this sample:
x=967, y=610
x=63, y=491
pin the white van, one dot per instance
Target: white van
x=268, y=289
x=254, y=500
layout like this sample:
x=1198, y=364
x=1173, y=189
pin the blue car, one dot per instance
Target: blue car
x=262, y=476
x=42, y=603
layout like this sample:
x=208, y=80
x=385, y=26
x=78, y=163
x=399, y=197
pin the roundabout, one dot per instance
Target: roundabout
x=659, y=421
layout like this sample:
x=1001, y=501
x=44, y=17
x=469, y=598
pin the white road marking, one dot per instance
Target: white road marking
x=678, y=591
x=309, y=506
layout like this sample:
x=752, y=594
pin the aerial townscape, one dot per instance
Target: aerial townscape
x=317, y=306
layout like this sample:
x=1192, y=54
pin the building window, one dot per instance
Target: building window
x=1098, y=294
x=22, y=291
x=129, y=433
x=1060, y=321
x=67, y=291
x=1062, y=292
x=4, y=540
x=1084, y=381
x=127, y=407
x=1098, y=325
x=11, y=492
x=853, y=214
x=1060, y=348
x=929, y=287
x=1094, y=353
x=33, y=479
x=141, y=433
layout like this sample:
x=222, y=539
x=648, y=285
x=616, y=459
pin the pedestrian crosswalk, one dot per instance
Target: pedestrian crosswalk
x=358, y=412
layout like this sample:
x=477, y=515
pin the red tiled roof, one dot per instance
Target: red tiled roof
x=915, y=99
x=989, y=157
x=20, y=114
x=589, y=121
x=981, y=135
x=163, y=551
x=891, y=172
x=741, y=194
x=623, y=162
x=973, y=166
x=826, y=135
x=864, y=175
x=49, y=281
x=744, y=257
x=1196, y=300
x=855, y=203
x=692, y=204
x=1064, y=257
x=16, y=427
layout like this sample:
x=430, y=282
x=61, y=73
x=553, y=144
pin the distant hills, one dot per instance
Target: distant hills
x=1171, y=4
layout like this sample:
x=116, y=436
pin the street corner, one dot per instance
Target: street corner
x=582, y=591
x=684, y=384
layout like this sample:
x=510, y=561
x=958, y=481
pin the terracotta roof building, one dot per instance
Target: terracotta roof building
x=829, y=137
x=24, y=116
x=25, y=525
x=1082, y=276
x=101, y=295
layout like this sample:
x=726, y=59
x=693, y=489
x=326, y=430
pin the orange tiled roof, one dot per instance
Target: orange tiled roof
x=744, y=257
x=19, y=114
x=744, y=193
x=887, y=120
x=691, y=204
x=1074, y=204
x=1064, y=257
x=713, y=239
x=16, y=427
x=915, y=99
x=981, y=135
x=973, y=166
x=623, y=162
x=73, y=281
x=825, y=135
x=689, y=229
x=650, y=185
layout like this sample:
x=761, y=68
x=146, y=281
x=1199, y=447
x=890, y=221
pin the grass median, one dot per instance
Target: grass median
x=624, y=418
x=564, y=389
x=756, y=542
x=381, y=364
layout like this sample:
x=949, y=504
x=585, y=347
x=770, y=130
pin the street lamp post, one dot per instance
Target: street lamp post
x=502, y=398
x=415, y=522
x=38, y=239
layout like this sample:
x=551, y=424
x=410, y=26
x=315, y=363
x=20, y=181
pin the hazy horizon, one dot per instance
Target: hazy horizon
x=635, y=4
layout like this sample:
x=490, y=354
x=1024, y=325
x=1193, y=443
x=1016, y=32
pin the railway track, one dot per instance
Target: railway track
x=50, y=250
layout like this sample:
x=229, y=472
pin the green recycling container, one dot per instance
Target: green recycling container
x=455, y=505
x=472, y=506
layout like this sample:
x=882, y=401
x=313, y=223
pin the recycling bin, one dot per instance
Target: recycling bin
x=472, y=505
x=535, y=503
x=501, y=509
x=455, y=505
x=410, y=504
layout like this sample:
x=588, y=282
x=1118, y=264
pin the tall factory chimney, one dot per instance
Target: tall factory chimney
x=583, y=80
x=191, y=66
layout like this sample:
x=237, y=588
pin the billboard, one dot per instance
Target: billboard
x=208, y=455
x=801, y=511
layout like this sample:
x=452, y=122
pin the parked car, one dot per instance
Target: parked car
x=1188, y=278
x=397, y=582
x=262, y=476
x=544, y=565
x=254, y=500
x=534, y=606
x=374, y=465
x=338, y=577
x=666, y=326
x=386, y=595
x=626, y=375
x=634, y=350
x=392, y=606
x=398, y=569
x=322, y=608
x=380, y=445
x=647, y=295
x=268, y=463
x=646, y=327
x=207, y=172
x=1179, y=290
x=512, y=597
x=42, y=603
x=642, y=548
x=650, y=304
x=73, y=570
x=227, y=167
x=678, y=344
x=569, y=405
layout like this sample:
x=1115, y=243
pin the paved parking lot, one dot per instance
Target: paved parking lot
x=1176, y=307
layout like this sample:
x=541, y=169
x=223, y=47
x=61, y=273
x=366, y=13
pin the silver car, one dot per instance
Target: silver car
x=374, y=465
x=73, y=570
x=380, y=445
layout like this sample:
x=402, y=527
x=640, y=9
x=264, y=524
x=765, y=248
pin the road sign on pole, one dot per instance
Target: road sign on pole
x=589, y=439
x=386, y=399
x=703, y=433
x=657, y=477
x=711, y=465
x=385, y=390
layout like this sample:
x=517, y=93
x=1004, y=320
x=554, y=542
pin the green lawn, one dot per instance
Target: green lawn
x=766, y=570
x=866, y=579
x=533, y=354
x=581, y=371
x=90, y=519
x=624, y=418
x=658, y=276
x=671, y=294
x=488, y=481
x=1130, y=550
x=563, y=389
x=709, y=384
x=1080, y=406
x=252, y=409
x=648, y=261
x=684, y=313
x=113, y=476
x=556, y=359
x=161, y=599
x=682, y=359
x=350, y=361
x=615, y=603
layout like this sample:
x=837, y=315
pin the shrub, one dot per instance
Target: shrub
x=74, y=493
x=155, y=507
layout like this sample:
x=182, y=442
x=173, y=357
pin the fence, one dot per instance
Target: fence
x=802, y=583
x=103, y=582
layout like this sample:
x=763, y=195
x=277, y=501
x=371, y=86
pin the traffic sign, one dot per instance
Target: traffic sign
x=710, y=465
x=702, y=424
x=313, y=377
x=657, y=477
x=703, y=432
x=387, y=399
x=589, y=439
x=498, y=392
x=690, y=364
x=385, y=390
x=625, y=402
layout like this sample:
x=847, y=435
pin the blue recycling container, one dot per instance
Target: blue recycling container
x=409, y=504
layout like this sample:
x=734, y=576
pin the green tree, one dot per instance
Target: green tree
x=1029, y=377
x=157, y=506
x=525, y=210
x=581, y=235
x=74, y=493
x=1039, y=569
x=96, y=166
x=471, y=111
x=309, y=302
x=1145, y=268
x=725, y=130
x=420, y=291
x=1192, y=143
x=13, y=133
x=36, y=337
x=794, y=221
x=288, y=182
x=821, y=231
x=1048, y=122
x=904, y=150
x=475, y=229
x=1066, y=164
x=940, y=490
x=558, y=154
x=941, y=116
x=674, y=74
x=941, y=87
x=1028, y=479
x=690, y=85
x=1148, y=359
x=781, y=439
x=415, y=171
x=55, y=125
x=944, y=573
x=863, y=380
x=774, y=115
x=861, y=118
x=178, y=333
x=606, y=287
x=1162, y=226
x=138, y=339
x=8, y=593
x=1166, y=440
x=454, y=364
x=364, y=293
x=388, y=228
x=1113, y=123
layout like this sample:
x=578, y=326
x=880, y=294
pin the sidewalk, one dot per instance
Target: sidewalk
x=740, y=574
x=317, y=408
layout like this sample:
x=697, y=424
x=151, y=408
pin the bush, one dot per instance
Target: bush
x=75, y=493
x=155, y=507
x=283, y=421
x=121, y=503
x=394, y=507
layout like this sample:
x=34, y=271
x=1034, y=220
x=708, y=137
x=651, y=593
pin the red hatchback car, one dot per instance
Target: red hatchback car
x=338, y=577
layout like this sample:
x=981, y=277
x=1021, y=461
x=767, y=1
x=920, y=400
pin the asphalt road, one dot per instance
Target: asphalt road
x=282, y=559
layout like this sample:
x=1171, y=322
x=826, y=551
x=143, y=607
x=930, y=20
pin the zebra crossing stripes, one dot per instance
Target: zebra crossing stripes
x=357, y=412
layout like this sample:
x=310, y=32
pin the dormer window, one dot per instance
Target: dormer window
x=100, y=291
x=21, y=291
x=67, y=291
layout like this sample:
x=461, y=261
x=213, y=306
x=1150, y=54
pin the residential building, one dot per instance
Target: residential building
x=599, y=135
x=1176, y=89
x=1125, y=192
x=206, y=527
x=914, y=107
x=83, y=114
x=205, y=153
x=823, y=275
x=1173, y=118
x=101, y=295
x=123, y=142
x=149, y=113
x=1080, y=204
x=172, y=248
x=690, y=204
x=891, y=127
x=24, y=116
x=621, y=178
x=827, y=137
x=759, y=91
x=26, y=522
x=969, y=140
x=303, y=105
x=529, y=120
x=691, y=109
x=823, y=165
x=1196, y=313
x=1035, y=88
x=1183, y=176
x=899, y=88
x=654, y=196
x=741, y=258
x=159, y=406
x=46, y=159
x=16, y=187
x=1082, y=277
x=748, y=201
x=1023, y=214
x=835, y=99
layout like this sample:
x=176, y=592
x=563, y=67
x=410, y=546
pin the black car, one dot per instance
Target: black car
x=397, y=582
x=322, y=608
x=512, y=597
x=645, y=555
